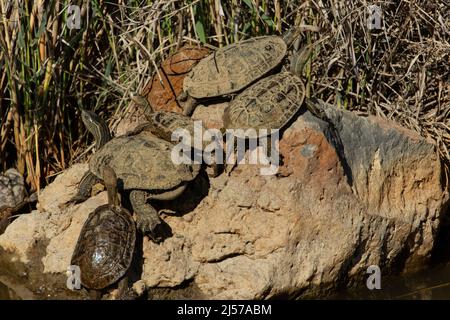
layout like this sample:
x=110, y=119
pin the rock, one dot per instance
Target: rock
x=168, y=265
x=162, y=95
x=133, y=117
x=211, y=115
x=62, y=189
x=358, y=193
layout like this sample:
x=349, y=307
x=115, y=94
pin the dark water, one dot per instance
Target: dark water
x=431, y=284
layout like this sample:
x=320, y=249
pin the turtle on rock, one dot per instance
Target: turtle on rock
x=270, y=104
x=105, y=246
x=13, y=196
x=164, y=124
x=234, y=67
x=144, y=168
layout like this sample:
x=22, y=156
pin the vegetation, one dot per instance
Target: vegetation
x=47, y=70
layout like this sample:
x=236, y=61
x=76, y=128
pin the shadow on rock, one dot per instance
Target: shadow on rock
x=196, y=191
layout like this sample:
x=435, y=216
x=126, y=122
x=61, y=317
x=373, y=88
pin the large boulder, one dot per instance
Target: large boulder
x=357, y=193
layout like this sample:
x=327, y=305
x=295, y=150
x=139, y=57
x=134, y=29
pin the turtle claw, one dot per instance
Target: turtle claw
x=151, y=227
x=77, y=199
x=74, y=200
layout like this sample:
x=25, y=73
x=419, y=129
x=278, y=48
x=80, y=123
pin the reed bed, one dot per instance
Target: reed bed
x=48, y=70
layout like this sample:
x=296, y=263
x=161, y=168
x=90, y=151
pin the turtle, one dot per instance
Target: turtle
x=164, y=124
x=13, y=196
x=144, y=167
x=234, y=67
x=270, y=104
x=105, y=247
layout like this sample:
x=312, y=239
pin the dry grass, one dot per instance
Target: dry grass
x=401, y=72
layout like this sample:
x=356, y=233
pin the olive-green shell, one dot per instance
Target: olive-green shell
x=234, y=67
x=142, y=161
x=268, y=104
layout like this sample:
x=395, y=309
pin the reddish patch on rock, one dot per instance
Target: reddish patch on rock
x=162, y=95
x=307, y=154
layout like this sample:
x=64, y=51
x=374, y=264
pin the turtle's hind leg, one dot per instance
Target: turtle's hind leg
x=85, y=187
x=125, y=292
x=147, y=218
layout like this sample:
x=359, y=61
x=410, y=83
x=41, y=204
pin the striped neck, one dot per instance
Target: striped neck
x=97, y=127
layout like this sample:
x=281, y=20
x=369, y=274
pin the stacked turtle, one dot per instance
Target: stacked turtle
x=245, y=69
x=232, y=69
x=264, y=98
x=144, y=168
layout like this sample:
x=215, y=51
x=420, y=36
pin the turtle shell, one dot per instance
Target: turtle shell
x=268, y=104
x=164, y=124
x=12, y=188
x=142, y=161
x=234, y=67
x=105, y=247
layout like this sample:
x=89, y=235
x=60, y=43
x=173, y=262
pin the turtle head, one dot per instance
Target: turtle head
x=292, y=35
x=96, y=126
x=89, y=118
x=317, y=108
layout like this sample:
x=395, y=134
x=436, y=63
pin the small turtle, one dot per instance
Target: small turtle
x=232, y=68
x=164, y=124
x=13, y=196
x=269, y=104
x=144, y=167
x=105, y=246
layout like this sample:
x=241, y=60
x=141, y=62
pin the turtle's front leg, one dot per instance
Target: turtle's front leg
x=142, y=127
x=187, y=103
x=147, y=218
x=84, y=188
